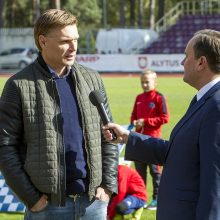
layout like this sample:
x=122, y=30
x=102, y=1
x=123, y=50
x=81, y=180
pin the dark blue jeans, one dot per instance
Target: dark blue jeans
x=81, y=209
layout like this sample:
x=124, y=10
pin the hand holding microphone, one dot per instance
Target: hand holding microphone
x=121, y=133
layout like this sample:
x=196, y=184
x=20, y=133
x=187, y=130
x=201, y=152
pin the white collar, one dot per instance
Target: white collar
x=206, y=88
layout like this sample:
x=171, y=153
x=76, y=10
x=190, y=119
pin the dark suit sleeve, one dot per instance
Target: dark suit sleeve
x=209, y=148
x=146, y=149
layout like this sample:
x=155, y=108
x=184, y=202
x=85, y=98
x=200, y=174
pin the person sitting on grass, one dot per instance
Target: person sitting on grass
x=131, y=198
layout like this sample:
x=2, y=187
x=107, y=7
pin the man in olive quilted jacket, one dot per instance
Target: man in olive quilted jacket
x=52, y=151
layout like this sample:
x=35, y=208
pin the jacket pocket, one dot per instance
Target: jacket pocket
x=186, y=195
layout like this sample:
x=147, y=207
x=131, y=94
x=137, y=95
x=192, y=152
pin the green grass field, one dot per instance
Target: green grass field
x=122, y=92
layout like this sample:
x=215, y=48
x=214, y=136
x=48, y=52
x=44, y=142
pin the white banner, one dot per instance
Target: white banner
x=132, y=63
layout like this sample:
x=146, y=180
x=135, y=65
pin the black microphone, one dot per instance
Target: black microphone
x=97, y=100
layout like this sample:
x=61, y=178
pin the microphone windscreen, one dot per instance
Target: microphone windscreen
x=96, y=97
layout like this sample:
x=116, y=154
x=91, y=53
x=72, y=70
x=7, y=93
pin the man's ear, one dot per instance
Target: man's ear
x=202, y=63
x=42, y=41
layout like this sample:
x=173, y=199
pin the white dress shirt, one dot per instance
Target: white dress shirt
x=206, y=88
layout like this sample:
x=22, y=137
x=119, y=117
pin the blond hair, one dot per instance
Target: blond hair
x=51, y=19
x=149, y=72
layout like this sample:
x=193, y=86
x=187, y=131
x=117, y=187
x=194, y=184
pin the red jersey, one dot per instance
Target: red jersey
x=153, y=108
x=129, y=183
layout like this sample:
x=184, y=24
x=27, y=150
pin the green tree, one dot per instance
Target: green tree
x=119, y=13
x=122, y=13
x=18, y=13
x=1, y=13
x=161, y=9
x=152, y=13
x=36, y=10
x=89, y=14
x=54, y=4
x=114, y=10
x=88, y=11
x=140, y=13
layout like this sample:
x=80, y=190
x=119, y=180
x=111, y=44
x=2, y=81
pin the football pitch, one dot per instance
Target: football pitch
x=122, y=92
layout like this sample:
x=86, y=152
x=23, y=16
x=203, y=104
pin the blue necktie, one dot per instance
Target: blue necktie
x=193, y=101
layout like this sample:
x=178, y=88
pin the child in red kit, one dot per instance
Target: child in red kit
x=131, y=193
x=149, y=113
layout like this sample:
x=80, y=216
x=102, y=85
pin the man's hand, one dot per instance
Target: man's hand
x=41, y=204
x=121, y=133
x=139, y=123
x=103, y=194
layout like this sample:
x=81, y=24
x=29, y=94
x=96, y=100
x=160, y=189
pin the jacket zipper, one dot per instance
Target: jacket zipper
x=83, y=129
x=59, y=191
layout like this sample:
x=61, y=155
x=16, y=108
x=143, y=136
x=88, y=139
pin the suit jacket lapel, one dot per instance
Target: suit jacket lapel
x=191, y=111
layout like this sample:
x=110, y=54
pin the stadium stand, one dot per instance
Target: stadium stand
x=176, y=37
x=181, y=22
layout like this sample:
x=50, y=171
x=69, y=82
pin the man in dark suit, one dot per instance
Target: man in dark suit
x=190, y=183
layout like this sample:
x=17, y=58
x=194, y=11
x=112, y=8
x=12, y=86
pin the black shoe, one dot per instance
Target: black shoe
x=121, y=208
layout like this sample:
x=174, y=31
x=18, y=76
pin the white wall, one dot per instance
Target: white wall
x=16, y=37
x=108, y=41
